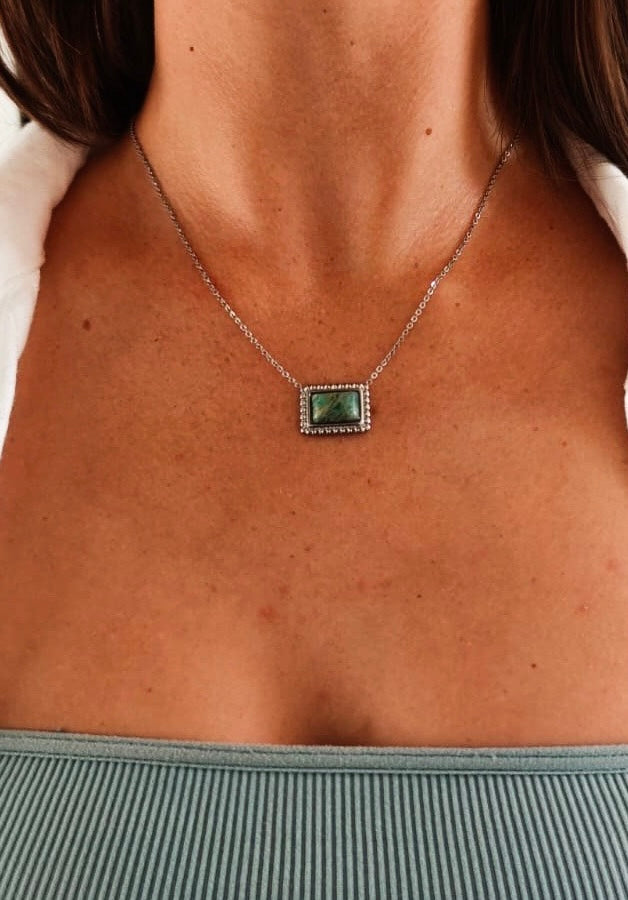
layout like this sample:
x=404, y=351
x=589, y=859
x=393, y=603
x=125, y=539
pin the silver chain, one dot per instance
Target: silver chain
x=244, y=328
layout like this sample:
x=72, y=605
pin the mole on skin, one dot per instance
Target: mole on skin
x=268, y=612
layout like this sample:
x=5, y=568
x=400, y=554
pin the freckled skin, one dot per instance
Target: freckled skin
x=175, y=539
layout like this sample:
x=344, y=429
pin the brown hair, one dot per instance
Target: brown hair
x=82, y=68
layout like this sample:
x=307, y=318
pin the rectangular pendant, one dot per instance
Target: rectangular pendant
x=335, y=408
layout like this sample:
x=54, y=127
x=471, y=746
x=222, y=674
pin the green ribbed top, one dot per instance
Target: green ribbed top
x=91, y=816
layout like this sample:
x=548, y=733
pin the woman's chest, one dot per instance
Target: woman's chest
x=179, y=561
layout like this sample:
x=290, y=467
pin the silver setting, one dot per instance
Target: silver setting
x=308, y=427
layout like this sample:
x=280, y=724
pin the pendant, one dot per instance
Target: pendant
x=335, y=408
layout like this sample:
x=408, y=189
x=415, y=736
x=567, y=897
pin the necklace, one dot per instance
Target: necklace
x=342, y=408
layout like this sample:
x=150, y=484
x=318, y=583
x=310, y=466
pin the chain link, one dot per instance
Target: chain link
x=247, y=331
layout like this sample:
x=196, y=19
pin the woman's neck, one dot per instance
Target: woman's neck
x=326, y=137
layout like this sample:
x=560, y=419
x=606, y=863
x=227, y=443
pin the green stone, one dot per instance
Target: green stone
x=335, y=407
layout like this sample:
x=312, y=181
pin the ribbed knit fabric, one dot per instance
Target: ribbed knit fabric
x=85, y=817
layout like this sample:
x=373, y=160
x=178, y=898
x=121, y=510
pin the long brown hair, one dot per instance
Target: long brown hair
x=82, y=68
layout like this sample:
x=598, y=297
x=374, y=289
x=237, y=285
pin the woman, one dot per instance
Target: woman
x=246, y=654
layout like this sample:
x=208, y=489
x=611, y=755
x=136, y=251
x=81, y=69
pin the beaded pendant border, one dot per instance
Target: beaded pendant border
x=335, y=408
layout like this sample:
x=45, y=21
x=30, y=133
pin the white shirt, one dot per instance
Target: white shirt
x=36, y=169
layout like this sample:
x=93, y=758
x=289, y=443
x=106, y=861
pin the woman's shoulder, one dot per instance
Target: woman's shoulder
x=606, y=185
x=36, y=169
